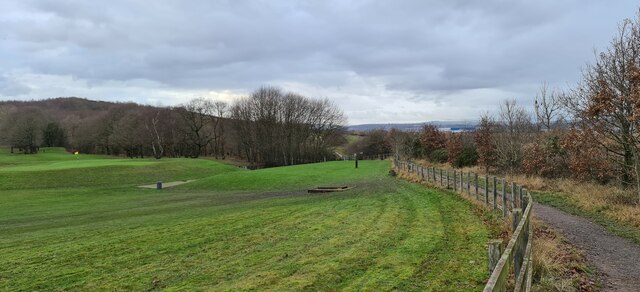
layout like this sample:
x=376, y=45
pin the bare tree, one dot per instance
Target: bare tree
x=129, y=135
x=197, y=114
x=106, y=129
x=277, y=128
x=71, y=123
x=26, y=130
x=220, y=112
x=152, y=124
x=4, y=127
x=547, y=108
x=514, y=129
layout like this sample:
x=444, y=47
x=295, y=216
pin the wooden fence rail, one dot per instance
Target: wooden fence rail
x=514, y=268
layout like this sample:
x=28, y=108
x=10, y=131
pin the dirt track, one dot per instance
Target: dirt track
x=616, y=259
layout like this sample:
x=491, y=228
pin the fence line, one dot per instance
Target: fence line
x=367, y=157
x=515, y=201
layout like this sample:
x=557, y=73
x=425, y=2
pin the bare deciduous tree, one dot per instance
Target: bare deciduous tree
x=276, y=128
x=220, y=112
x=157, y=144
x=197, y=114
x=514, y=129
x=547, y=108
x=26, y=130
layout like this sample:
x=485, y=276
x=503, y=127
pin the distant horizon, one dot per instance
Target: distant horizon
x=167, y=106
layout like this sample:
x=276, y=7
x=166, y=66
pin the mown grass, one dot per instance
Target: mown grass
x=295, y=177
x=558, y=266
x=58, y=169
x=230, y=230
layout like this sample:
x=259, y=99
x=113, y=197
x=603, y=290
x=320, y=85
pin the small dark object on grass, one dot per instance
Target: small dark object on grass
x=329, y=189
x=392, y=173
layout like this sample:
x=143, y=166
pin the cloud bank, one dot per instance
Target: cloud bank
x=381, y=61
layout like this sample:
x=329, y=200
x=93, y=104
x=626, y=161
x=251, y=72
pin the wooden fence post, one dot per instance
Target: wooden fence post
x=495, y=193
x=448, y=180
x=522, y=191
x=486, y=190
x=433, y=171
x=517, y=259
x=476, y=180
x=504, y=198
x=469, y=183
x=461, y=182
x=516, y=214
x=513, y=195
x=441, y=178
x=495, y=251
x=455, y=180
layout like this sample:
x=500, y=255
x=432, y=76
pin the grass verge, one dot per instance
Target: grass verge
x=558, y=265
x=597, y=215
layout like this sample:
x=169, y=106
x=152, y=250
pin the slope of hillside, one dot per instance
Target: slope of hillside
x=90, y=228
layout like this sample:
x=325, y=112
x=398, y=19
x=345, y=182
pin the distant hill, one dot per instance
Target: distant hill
x=443, y=125
x=63, y=106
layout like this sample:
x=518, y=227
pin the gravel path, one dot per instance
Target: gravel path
x=616, y=259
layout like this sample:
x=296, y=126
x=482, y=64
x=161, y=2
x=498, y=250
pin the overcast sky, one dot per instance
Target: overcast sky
x=380, y=61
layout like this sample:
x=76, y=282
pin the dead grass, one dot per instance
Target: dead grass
x=558, y=266
x=612, y=201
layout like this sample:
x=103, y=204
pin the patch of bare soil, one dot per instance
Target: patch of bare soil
x=168, y=184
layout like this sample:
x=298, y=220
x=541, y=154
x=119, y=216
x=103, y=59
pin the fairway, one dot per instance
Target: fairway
x=70, y=224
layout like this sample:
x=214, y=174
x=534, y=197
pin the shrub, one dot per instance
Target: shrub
x=467, y=157
x=439, y=156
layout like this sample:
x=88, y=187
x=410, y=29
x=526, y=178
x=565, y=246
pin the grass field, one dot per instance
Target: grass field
x=70, y=224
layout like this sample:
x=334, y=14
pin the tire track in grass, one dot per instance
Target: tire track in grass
x=321, y=243
x=370, y=243
x=269, y=264
x=122, y=246
x=457, y=262
x=392, y=262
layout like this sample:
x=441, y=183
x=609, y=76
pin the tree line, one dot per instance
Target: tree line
x=589, y=132
x=269, y=127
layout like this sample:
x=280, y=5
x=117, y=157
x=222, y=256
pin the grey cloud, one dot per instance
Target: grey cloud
x=430, y=50
x=9, y=88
